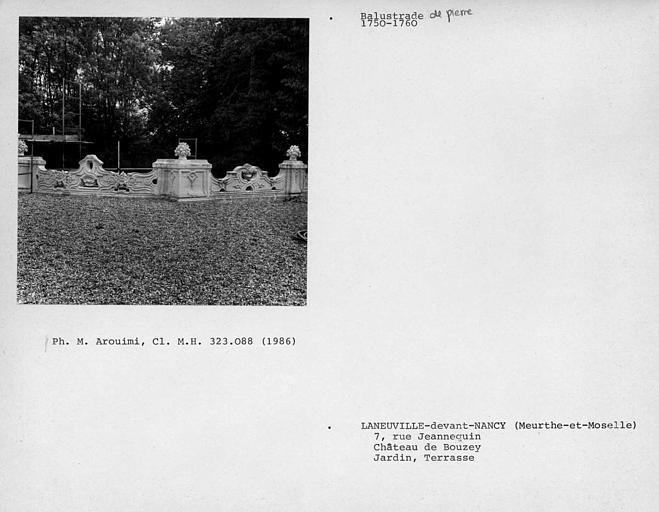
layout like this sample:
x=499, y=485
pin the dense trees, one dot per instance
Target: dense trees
x=237, y=85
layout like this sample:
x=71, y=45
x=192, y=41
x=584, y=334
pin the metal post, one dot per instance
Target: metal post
x=118, y=156
x=32, y=160
x=63, y=118
x=79, y=121
x=186, y=139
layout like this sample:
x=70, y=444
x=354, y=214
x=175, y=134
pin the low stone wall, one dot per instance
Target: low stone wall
x=176, y=179
x=246, y=181
x=28, y=167
x=92, y=179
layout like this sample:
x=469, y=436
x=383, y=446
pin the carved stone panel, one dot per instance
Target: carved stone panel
x=246, y=180
x=91, y=178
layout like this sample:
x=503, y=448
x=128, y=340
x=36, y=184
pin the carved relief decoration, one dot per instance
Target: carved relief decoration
x=91, y=178
x=246, y=179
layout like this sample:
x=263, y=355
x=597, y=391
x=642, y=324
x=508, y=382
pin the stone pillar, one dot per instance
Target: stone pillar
x=27, y=172
x=293, y=173
x=182, y=179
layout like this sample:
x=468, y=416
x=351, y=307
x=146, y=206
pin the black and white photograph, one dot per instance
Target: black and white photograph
x=162, y=161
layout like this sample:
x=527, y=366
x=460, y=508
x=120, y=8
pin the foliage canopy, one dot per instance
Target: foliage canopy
x=240, y=86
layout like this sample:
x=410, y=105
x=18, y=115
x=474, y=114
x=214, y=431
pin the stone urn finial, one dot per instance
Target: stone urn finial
x=293, y=153
x=182, y=151
x=22, y=147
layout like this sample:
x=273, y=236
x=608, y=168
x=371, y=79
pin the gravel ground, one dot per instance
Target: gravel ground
x=90, y=250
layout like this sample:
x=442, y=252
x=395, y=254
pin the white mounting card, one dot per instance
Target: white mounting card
x=482, y=294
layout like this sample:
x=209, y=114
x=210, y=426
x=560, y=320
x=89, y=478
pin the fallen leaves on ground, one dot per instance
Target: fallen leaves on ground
x=91, y=250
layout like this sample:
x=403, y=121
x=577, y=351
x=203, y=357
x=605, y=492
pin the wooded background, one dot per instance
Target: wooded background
x=240, y=86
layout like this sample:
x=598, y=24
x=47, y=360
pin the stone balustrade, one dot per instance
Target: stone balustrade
x=177, y=179
x=91, y=179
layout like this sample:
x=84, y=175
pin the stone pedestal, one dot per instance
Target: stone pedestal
x=183, y=179
x=293, y=174
x=27, y=171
